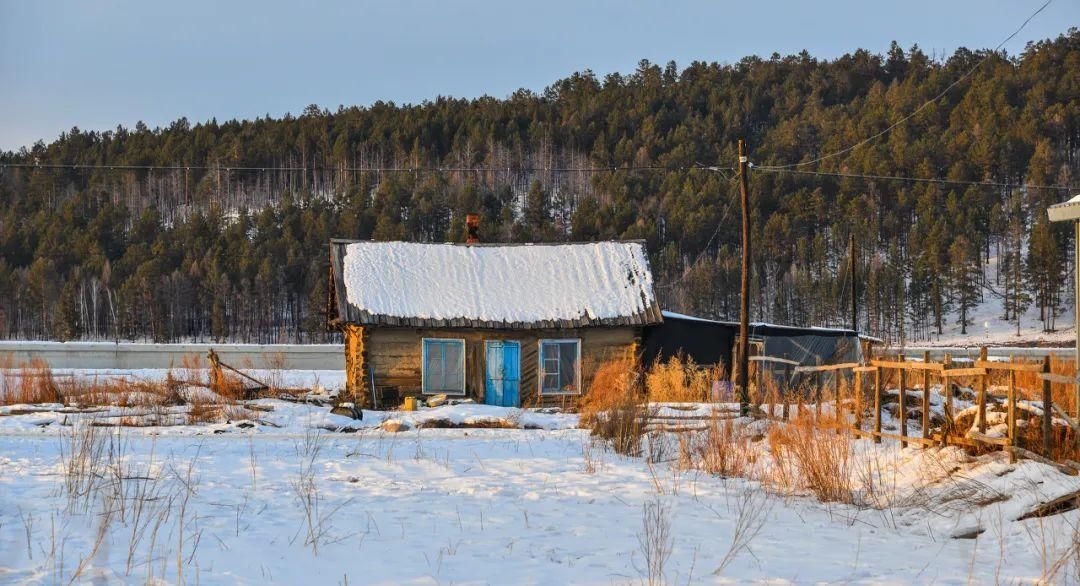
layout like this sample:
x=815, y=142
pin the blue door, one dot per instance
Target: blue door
x=502, y=377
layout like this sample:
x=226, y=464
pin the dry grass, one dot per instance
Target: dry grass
x=681, y=381
x=193, y=394
x=613, y=407
x=810, y=457
x=720, y=450
x=27, y=382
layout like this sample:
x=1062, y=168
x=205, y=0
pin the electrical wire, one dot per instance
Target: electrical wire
x=920, y=108
x=915, y=179
x=230, y=168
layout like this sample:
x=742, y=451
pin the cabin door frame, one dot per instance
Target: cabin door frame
x=502, y=373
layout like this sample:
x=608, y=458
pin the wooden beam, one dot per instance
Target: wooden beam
x=955, y=372
x=908, y=365
x=1010, y=366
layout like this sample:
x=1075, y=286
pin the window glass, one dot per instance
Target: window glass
x=559, y=366
x=444, y=366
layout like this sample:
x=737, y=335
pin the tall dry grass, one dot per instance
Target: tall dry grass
x=680, y=380
x=613, y=408
x=813, y=458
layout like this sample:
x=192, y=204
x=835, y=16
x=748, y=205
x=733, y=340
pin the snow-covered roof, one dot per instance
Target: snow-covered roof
x=1068, y=210
x=492, y=285
x=758, y=327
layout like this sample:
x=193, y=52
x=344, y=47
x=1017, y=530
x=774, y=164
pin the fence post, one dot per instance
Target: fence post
x=1048, y=409
x=786, y=390
x=982, y=394
x=877, y=405
x=839, y=403
x=1012, y=412
x=819, y=392
x=858, y=399
x=946, y=389
x=902, y=408
x=926, y=397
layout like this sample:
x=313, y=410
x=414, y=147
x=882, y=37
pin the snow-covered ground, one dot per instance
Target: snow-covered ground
x=302, y=496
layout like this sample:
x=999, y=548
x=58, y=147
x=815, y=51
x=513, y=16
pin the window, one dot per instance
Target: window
x=444, y=366
x=560, y=367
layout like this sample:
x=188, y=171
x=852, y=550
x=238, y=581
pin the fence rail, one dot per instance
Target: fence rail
x=925, y=375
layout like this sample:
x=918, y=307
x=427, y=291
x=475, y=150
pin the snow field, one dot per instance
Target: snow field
x=299, y=504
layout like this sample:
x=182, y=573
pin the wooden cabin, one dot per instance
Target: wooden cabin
x=503, y=324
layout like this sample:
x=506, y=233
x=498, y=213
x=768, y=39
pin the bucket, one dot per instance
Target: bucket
x=410, y=404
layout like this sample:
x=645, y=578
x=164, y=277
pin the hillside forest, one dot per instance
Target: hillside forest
x=219, y=230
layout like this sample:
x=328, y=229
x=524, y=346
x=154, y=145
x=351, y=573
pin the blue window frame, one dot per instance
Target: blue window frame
x=444, y=366
x=560, y=367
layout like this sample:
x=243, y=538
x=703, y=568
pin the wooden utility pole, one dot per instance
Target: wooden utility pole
x=854, y=303
x=744, y=308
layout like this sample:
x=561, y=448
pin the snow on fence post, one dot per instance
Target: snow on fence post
x=1048, y=409
x=902, y=407
x=1012, y=413
x=926, y=397
x=877, y=404
x=982, y=393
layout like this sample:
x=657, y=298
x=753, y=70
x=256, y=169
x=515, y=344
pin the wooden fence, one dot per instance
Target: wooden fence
x=926, y=378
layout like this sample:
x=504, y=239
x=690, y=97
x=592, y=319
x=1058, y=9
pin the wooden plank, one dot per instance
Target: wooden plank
x=1057, y=379
x=1010, y=366
x=864, y=369
x=827, y=367
x=981, y=437
x=907, y=365
x=775, y=359
x=955, y=372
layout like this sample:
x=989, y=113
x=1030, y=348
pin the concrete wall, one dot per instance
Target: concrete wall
x=132, y=355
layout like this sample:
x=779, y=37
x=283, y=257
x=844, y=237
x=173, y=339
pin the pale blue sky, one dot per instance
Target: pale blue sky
x=99, y=64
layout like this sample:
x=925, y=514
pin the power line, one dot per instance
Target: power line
x=230, y=168
x=915, y=179
x=920, y=108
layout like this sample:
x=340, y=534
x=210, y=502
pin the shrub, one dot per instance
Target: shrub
x=612, y=409
x=680, y=381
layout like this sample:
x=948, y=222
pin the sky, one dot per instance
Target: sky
x=99, y=64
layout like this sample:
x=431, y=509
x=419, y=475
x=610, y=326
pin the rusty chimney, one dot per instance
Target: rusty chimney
x=472, y=228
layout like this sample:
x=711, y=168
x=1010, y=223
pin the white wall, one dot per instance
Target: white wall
x=132, y=355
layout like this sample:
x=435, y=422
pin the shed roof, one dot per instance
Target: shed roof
x=519, y=286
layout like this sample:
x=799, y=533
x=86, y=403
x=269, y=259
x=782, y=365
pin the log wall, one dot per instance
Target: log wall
x=394, y=356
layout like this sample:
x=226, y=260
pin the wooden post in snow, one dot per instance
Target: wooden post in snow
x=857, y=391
x=839, y=400
x=1012, y=413
x=982, y=393
x=902, y=407
x=1048, y=409
x=946, y=389
x=926, y=397
x=877, y=405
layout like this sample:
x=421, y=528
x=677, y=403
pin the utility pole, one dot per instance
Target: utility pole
x=854, y=302
x=744, y=309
